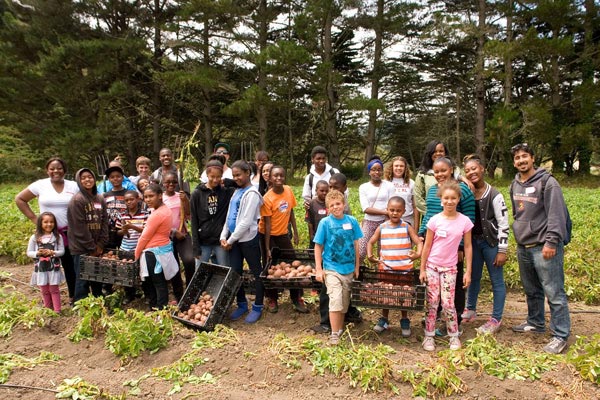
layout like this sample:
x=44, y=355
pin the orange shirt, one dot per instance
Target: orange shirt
x=156, y=232
x=279, y=207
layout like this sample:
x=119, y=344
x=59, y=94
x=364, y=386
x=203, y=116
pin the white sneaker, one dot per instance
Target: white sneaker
x=455, y=343
x=429, y=343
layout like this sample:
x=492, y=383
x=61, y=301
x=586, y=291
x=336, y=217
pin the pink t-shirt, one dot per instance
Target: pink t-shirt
x=174, y=204
x=447, y=236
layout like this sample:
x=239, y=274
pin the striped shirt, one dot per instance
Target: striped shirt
x=130, y=240
x=394, y=247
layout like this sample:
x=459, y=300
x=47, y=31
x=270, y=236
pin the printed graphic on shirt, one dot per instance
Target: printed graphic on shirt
x=212, y=201
x=283, y=207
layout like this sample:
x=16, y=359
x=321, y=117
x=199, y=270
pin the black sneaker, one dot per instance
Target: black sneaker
x=321, y=328
x=354, y=317
x=527, y=327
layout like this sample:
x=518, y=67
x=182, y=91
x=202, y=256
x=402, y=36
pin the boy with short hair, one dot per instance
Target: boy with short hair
x=396, y=255
x=319, y=170
x=142, y=166
x=317, y=210
x=130, y=227
x=336, y=259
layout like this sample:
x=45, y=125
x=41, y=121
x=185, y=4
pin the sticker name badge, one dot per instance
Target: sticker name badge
x=322, y=211
x=529, y=190
x=347, y=226
x=441, y=233
x=98, y=206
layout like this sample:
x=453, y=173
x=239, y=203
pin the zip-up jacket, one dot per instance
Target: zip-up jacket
x=246, y=223
x=494, y=218
x=539, y=210
x=209, y=210
x=88, y=219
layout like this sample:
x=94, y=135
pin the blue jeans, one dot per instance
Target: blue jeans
x=483, y=252
x=220, y=254
x=545, y=278
x=82, y=287
x=250, y=251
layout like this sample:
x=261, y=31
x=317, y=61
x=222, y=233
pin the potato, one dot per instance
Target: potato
x=296, y=263
x=190, y=312
x=271, y=271
x=197, y=316
x=279, y=273
x=209, y=304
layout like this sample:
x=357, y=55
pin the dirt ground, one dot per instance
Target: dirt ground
x=248, y=370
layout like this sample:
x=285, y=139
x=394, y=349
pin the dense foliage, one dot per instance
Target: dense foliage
x=89, y=80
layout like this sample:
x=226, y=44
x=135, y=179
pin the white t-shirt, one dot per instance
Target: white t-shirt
x=50, y=200
x=406, y=191
x=376, y=197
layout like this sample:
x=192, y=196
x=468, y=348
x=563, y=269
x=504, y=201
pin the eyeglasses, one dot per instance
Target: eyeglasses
x=170, y=182
x=222, y=152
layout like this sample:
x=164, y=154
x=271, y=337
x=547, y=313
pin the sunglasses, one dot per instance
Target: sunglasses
x=520, y=146
x=222, y=152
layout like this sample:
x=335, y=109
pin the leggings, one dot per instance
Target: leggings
x=441, y=287
x=183, y=251
x=368, y=228
x=51, y=297
x=155, y=285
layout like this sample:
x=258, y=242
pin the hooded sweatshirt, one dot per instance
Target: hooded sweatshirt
x=539, y=210
x=309, y=191
x=87, y=218
x=209, y=210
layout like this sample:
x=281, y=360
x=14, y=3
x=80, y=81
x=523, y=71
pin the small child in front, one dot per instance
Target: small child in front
x=46, y=247
x=438, y=263
x=396, y=254
x=336, y=259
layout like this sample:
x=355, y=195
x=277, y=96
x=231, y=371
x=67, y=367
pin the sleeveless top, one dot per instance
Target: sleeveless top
x=394, y=246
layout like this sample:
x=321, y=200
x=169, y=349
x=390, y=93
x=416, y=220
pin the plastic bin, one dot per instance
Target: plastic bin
x=122, y=271
x=373, y=290
x=306, y=256
x=221, y=282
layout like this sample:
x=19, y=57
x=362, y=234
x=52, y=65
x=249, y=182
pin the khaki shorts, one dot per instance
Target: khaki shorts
x=338, y=290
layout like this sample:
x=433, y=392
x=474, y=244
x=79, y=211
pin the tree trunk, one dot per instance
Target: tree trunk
x=375, y=76
x=480, y=84
x=458, y=126
x=261, y=114
x=206, y=98
x=331, y=103
x=508, y=72
x=156, y=61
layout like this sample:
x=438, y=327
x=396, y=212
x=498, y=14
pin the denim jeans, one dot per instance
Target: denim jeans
x=545, y=278
x=214, y=251
x=249, y=251
x=82, y=287
x=483, y=252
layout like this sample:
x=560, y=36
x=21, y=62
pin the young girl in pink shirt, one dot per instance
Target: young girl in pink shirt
x=438, y=263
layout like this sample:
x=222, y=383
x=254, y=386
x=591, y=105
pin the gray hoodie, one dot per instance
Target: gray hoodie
x=539, y=210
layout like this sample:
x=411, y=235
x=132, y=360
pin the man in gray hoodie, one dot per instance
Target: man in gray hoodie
x=540, y=228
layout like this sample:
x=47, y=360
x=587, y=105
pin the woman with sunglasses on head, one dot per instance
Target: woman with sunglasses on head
x=490, y=243
x=221, y=149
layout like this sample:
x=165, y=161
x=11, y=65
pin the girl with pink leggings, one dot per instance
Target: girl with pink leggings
x=46, y=247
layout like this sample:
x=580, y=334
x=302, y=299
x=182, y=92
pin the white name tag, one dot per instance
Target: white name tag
x=97, y=206
x=322, y=212
x=441, y=233
x=529, y=190
x=347, y=226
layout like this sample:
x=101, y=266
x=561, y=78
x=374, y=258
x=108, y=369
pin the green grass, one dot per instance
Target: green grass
x=581, y=255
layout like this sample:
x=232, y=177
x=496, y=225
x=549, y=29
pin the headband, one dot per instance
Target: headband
x=373, y=162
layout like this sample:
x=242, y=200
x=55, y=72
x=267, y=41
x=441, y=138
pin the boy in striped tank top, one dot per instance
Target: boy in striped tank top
x=396, y=254
x=130, y=225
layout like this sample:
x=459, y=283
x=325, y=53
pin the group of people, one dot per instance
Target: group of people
x=452, y=220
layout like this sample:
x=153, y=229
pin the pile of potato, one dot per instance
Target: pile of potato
x=387, y=294
x=198, y=313
x=112, y=256
x=285, y=270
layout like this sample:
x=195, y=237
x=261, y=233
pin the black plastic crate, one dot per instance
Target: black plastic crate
x=122, y=271
x=305, y=256
x=392, y=290
x=221, y=282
